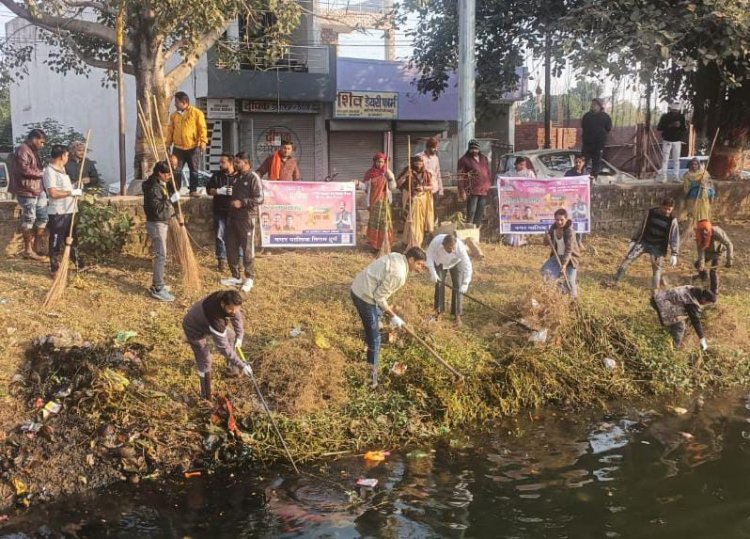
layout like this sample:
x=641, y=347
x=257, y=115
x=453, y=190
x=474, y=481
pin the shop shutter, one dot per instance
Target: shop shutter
x=300, y=126
x=350, y=153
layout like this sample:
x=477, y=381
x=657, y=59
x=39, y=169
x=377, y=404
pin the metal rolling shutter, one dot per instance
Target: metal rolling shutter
x=350, y=153
x=301, y=127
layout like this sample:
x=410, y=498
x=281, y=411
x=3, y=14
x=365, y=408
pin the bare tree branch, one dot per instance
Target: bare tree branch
x=82, y=4
x=90, y=60
x=55, y=24
x=180, y=72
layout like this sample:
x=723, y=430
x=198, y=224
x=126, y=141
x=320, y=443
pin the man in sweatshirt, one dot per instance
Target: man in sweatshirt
x=212, y=317
x=681, y=303
x=673, y=129
x=246, y=196
x=372, y=288
x=474, y=182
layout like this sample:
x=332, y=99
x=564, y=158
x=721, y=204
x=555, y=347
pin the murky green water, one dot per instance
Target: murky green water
x=639, y=474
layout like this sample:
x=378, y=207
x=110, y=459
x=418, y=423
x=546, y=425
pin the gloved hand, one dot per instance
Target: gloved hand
x=704, y=344
x=222, y=191
x=175, y=197
x=76, y=192
x=397, y=322
x=729, y=263
x=673, y=260
x=238, y=342
x=247, y=370
x=464, y=288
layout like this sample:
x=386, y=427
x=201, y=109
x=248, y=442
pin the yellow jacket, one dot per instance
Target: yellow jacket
x=187, y=130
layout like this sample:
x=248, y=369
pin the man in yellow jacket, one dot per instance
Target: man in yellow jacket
x=188, y=136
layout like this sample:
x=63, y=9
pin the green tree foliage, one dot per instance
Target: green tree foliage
x=162, y=39
x=56, y=134
x=6, y=135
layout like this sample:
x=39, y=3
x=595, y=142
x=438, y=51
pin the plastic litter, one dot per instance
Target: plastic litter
x=64, y=392
x=30, y=426
x=188, y=475
x=51, y=408
x=538, y=337
x=377, y=456
x=321, y=342
x=398, y=368
x=367, y=482
x=296, y=331
x=609, y=363
x=124, y=336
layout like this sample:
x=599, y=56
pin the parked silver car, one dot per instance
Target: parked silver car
x=554, y=163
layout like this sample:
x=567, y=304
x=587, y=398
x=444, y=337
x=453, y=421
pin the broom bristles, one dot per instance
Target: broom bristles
x=61, y=280
x=184, y=256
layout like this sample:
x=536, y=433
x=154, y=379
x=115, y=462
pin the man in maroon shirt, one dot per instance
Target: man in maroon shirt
x=474, y=182
x=280, y=165
x=26, y=183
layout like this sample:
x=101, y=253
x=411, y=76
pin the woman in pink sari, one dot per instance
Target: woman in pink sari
x=379, y=182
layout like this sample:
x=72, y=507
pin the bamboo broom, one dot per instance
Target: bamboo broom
x=61, y=277
x=177, y=231
x=385, y=246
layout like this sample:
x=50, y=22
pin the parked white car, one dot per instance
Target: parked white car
x=555, y=163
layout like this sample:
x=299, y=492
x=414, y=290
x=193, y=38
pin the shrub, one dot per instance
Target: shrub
x=102, y=229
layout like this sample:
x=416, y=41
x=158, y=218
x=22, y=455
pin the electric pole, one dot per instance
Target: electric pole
x=466, y=85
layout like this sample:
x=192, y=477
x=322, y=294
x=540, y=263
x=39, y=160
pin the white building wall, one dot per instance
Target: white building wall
x=80, y=102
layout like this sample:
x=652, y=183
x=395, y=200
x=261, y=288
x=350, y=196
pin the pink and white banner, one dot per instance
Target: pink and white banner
x=308, y=214
x=528, y=206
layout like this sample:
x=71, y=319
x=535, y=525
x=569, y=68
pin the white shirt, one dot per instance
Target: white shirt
x=60, y=181
x=438, y=256
x=432, y=164
x=381, y=279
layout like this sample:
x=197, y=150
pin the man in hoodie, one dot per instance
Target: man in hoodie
x=657, y=233
x=678, y=304
x=157, y=205
x=26, y=183
x=211, y=317
x=673, y=129
x=246, y=197
x=220, y=187
x=595, y=125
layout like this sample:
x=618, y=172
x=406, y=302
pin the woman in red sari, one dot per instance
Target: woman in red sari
x=379, y=182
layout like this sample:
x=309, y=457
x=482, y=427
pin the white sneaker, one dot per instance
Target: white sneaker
x=247, y=286
x=231, y=281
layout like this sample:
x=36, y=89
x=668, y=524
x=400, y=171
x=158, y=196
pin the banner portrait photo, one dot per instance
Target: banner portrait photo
x=528, y=206
x=308, y=214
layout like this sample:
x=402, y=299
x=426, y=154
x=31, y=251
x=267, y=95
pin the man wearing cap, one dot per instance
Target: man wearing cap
x=673, y=129
x=595, y=125
x=432, y=164
x=474, y=182
x=90, y=178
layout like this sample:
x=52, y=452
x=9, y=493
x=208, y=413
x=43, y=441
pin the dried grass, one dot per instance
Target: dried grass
x=183, y=255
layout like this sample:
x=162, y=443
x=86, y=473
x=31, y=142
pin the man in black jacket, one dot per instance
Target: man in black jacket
x=247, y=195
x=90, y=178
x=220, y=187
x=595, y=125
x=673, y=129
x=157, y=205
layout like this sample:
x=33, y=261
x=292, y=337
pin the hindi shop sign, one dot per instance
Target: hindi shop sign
x=220, y=109
x=366, y=105
x=528, y=206
x=308, y=214
x=280, y=107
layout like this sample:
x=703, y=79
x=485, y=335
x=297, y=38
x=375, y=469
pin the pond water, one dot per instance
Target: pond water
x=640, y=473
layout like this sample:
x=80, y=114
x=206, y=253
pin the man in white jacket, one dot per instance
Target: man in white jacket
x=445, y=254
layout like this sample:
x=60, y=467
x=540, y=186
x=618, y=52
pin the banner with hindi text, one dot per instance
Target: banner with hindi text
x=308, y=214
x=527, y=206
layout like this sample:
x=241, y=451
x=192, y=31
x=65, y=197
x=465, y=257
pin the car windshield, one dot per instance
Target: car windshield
x=557, y=162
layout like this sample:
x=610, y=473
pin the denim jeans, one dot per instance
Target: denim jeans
x=33, y=211
x=220, y=226
x=370, y=315
x=551, y=270
x=193, y=160
x=157, y=232
x=475, y=209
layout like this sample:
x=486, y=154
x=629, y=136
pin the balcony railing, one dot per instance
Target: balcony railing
x=356, y=6
x=291, y=58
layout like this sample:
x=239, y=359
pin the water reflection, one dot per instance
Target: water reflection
x=669, y=472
